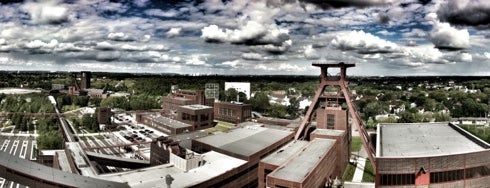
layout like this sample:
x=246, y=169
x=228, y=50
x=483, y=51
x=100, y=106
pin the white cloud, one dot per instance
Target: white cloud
x=419, y=33
x=386, y=32
x=104, y=45
x=276, y=49
x=250, y=32
x=161, y=13
x=311, y=53
x=46, y=12
x=487, y=55
x=173, y=32
x=195, y=60
x=280, y=67
x=36, y=44
x=363, y=43
x=233, y=64
x=252, y=56
x=213, y=33
x=444, y=35
x=120, y=36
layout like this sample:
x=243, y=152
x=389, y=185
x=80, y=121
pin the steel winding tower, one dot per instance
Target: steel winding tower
x=341, y=82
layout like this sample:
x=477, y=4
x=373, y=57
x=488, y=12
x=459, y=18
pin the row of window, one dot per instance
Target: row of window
x=436, y=177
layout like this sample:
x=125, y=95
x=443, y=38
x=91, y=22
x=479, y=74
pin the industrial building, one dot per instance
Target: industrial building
x=85, y=80
x=166, y=125
x=250, y=143
x=177, y=98
x=430, y=155
x=327, y=132
x=233, y=112
x=199, y=116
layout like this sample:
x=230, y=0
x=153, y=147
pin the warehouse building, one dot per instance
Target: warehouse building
x=430, y=154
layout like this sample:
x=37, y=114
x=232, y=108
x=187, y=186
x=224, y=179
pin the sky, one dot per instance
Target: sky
x=241, y=37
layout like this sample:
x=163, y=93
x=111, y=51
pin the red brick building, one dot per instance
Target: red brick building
x=171, y=102
x=232, y=112
x=199, y=116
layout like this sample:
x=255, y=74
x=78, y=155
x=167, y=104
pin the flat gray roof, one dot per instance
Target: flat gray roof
x=216, y=164
x=328, y=132
x=422, y=139
x=282, y=154
x=298, y=167
x=245, y=141
x=168, y=121
x=63, y=161
x=196, y=106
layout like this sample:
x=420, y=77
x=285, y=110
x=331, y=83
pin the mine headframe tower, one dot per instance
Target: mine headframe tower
x=341, y=82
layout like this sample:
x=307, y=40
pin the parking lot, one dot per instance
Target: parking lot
x=20, y=146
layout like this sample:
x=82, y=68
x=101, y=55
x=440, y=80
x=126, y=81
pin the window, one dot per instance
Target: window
x=330, y=121
x=397, y=179
x=453, y=175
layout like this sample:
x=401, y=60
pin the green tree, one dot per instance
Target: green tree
x=293, y=107
x=260, y=102
x=277, y=110
x=50, y=140
x=90, y=122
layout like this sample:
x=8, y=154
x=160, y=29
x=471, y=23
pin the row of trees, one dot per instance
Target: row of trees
x=134, y=102
x=49, y=135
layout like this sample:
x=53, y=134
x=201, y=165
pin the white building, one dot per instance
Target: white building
x=239, y=86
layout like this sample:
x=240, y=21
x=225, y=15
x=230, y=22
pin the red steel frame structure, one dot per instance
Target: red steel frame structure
x=340, y=81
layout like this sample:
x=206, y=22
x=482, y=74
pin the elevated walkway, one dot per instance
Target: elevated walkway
x=110, y=160
x=37, y=175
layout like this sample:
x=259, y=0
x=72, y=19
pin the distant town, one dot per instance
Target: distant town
x=95, y=129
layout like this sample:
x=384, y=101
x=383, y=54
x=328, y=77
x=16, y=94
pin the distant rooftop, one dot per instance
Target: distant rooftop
x=282, y=154
x=216, y=164
x=196, y=107
x=245, y=141
x=297, y=168
x=424, y=139
x=168, y=121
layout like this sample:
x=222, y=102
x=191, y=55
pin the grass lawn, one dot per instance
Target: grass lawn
x=355, y=144
x=369, y=173
x=7, y=130
x=349, y=172
x=221, y=126
x=100, y=137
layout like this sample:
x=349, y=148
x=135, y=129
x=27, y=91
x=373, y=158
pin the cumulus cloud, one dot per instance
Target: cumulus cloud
x=418, y=33
x=161, y=13
x=252, y=56
x=251, y=33
x=280, y=67
x=120, y=36
x=195, y=60
x=347, y=3
x=445, y=36
x=46, y=12
x=468, y=12
x=276, y=49
x=363, y=43
x=311, y=53
x=232, y=64
x=173, y=32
